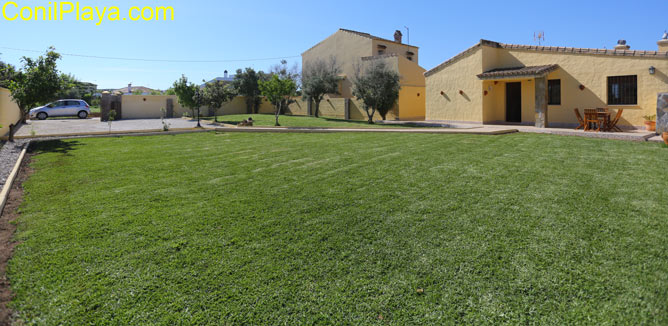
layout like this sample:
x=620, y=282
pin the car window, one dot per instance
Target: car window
x=72, y=103
x=60, y=103
x=51, y=105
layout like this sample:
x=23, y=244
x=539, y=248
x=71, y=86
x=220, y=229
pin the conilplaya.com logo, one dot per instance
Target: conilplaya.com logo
x=58, y=11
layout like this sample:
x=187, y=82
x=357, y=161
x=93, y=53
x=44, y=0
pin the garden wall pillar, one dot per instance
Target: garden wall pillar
x=169, y=108
x=541, y=102
x=116, y=101
x=662, y=113
x=105, y=106
x=346, y=109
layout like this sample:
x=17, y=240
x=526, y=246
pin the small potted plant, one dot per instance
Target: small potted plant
x=650, y=122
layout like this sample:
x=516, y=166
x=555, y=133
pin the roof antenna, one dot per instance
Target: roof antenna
x=408, y=36
x=539, y=37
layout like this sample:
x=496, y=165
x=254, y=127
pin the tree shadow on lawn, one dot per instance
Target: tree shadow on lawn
x=338, y=121
x=54, y=146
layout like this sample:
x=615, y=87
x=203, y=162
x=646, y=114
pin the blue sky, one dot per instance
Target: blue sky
x=232, y=30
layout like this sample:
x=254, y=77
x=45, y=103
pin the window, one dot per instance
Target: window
x=554, y=92
x=623, y=90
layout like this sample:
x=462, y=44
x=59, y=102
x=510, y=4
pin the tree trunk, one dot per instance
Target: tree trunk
x=278, y=112
x=12, y=131
x=373, y=111
x=317, y=108
x=256, y=105
x=382, y=115
x=215, y=114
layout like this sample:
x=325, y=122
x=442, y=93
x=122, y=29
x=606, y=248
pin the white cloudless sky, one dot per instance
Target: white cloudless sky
x=243, y=30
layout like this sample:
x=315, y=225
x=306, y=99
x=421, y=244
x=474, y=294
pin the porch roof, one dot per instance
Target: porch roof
x=525, y=72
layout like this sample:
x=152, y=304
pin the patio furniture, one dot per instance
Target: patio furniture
x=580, y=120
x=604, y=116
x=592, y=118
x=612, y=125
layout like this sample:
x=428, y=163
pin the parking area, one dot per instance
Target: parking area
x=52, y=127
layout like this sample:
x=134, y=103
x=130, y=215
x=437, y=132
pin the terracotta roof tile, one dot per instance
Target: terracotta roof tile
x=627, y=53
x=518, y=72
x=367, y=35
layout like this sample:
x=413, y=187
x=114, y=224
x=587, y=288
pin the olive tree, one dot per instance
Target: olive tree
x=278, y=91
x=378, y=88
x=7, y=74
x=216, y=94
x=37, y=82
x=319, y=78
x=246, y=84
x=185, y=92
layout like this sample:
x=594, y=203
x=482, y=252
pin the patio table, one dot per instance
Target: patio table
x=605, y=116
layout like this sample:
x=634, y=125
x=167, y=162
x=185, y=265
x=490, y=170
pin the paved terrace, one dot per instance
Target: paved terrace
x=633, y=135
x=93, y=127
x=67, y=127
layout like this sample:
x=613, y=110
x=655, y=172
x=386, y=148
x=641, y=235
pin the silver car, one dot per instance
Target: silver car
x=62, y=108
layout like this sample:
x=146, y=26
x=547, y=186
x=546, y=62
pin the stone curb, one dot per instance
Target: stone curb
x=379, y=130
x=4, y=194
x=117, y=133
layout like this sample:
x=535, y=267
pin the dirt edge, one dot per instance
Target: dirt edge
x=7, y=243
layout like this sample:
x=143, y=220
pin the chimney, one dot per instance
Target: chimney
x=225, y=74
x=397, y=36
x=663, y=42
x=621, y=45
x=130, y=88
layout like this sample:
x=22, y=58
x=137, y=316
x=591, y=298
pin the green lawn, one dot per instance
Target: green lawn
x=344, y=229
x=299, y=121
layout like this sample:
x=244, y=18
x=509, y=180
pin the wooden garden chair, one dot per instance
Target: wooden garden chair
x=580, y=120
x=612, y=124
x=591, y=118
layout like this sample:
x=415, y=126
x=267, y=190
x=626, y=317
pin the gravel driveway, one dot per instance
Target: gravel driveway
x=82, y=126
x=9, y=153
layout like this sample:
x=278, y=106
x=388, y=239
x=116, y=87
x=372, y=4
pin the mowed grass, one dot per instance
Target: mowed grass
x=344, y=229
x=266, y=120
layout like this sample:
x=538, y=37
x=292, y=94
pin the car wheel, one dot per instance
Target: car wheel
x=82, y=115
x=42, y=116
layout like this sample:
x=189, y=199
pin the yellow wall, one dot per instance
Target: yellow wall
x=453, y=106
x=411, y=103
x=148, y=106
x=575, y=70
x=396, y=48
x=9, y=111
x=134, y=107
x=411, y=73
x=592, y=72
x=298, y=107
x=494, y=103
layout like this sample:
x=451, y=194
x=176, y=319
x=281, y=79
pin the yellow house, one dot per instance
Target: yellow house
x=493, y=82
x=351, y=49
